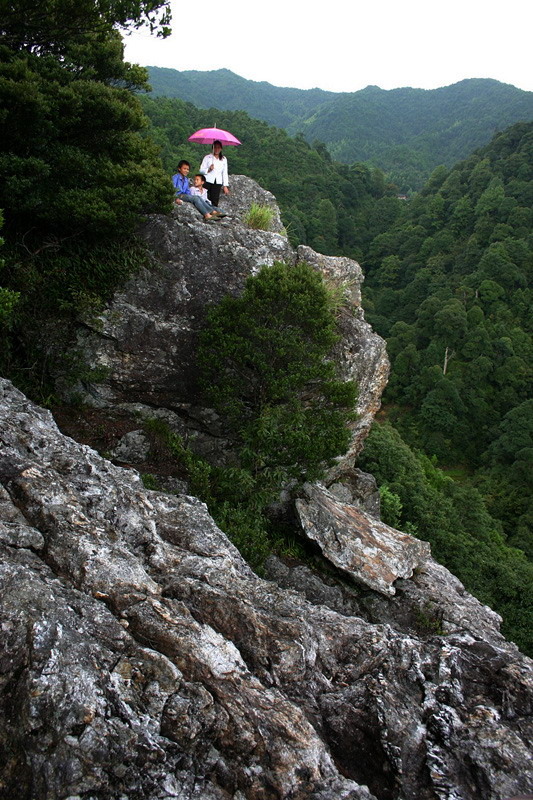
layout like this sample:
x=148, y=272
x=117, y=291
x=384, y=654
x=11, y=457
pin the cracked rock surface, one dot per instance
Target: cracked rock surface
x=141, y=658
x=355, y=542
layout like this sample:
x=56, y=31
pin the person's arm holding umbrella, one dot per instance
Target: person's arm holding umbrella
x=207, y=164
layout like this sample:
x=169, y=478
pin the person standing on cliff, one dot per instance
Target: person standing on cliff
x=215, y=168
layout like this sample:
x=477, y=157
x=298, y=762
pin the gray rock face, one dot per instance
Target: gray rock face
x=146, y=339
x=362, y=546
x=147, y=336
x=133, y=447
x=360, y=353
x=141, y=658
x=243, y=193
x=358, y=488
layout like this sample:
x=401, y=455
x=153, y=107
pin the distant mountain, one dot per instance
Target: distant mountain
x=406, y=132
x=223, y=89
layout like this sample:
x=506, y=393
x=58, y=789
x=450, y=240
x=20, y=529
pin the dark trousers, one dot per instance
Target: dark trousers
x=213, y=192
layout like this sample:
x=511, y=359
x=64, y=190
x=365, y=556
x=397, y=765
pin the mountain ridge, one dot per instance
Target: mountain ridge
x=406, y=132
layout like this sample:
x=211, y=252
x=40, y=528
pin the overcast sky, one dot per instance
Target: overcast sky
x=343, y=47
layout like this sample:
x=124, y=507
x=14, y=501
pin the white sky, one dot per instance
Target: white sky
x=344, y=46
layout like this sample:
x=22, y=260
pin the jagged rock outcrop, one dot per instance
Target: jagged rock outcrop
x=360, y=545
x=146, y=338
x=141, y=658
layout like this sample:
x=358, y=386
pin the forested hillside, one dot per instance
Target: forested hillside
x=405, y=132
x=449, y=286
x=447, y=278
x=227, y=91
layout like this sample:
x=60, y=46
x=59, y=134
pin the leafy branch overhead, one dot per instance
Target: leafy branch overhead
x=53, y=26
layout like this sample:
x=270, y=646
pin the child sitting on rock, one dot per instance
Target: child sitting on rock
x=183, y=193
x=198, y=189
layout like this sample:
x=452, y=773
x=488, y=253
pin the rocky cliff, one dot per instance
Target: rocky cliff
x=142, y=659
x=146, y=338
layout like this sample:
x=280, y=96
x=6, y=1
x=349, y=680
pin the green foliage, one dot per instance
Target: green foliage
x=55, y=286
x=429, y=620
x=460, y=289
x=8, y=298
x=8, y=302
x=457, y=313
x=233, y=497
x=72, y=158
x=259, y=217
x=150, y=482
x=454, y=519
x=405, y=132
x=46, y=26
x=264, y=360
x=390, y=506
x=76, y=169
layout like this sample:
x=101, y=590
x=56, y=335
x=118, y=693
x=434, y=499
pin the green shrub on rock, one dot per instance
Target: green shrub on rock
x=264, y=362
x=264, y=359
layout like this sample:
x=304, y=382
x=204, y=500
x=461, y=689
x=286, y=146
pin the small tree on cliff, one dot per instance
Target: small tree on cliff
x=264, y=358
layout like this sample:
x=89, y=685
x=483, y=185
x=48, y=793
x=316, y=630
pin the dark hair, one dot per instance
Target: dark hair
x=220, y=156
x=200, y=175
x=182, y=162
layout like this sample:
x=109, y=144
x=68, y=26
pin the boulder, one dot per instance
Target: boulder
x=369, y=551
x=245, y=192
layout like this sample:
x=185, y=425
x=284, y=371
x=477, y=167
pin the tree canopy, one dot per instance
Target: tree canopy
x=449, y=286
x=72, y=157
x=55, y=26
x=76, y=169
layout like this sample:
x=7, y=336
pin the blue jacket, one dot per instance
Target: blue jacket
x=181, y=184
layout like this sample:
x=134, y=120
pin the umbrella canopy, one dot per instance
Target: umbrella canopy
x=210, y=135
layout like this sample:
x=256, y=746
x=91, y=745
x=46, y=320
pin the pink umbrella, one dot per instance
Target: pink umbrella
x=210, y=135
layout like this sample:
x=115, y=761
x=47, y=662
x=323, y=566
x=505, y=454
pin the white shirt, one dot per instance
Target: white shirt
x=219, y=173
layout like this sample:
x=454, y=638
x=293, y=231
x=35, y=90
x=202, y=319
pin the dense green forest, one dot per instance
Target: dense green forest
x=405, y=132
x=82, y=157
x=76, y=169
x=449, y=286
